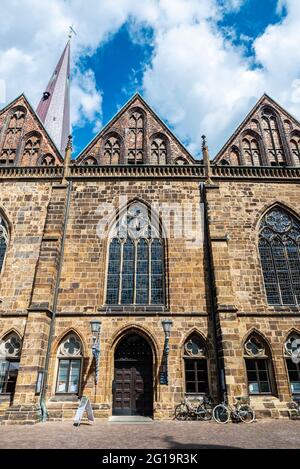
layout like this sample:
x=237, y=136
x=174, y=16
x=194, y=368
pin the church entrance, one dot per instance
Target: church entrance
x=133, y=377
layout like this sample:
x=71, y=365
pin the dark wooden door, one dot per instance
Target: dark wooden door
x=133, y=380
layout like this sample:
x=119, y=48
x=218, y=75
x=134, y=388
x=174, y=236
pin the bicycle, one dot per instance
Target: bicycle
x=194, y=408
x=241, y=411
x=295, y=407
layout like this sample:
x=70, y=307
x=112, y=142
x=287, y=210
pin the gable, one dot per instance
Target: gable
x=268, y=136
x=136, y=135
x=23, y=139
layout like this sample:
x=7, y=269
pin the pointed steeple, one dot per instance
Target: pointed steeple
x=54, y=107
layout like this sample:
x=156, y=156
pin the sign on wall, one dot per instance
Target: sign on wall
x=84, y=406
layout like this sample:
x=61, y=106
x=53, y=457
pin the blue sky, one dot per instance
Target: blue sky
x=120, y=62
x=201, y=64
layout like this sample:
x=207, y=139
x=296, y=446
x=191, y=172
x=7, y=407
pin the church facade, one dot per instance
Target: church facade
x=134, y=274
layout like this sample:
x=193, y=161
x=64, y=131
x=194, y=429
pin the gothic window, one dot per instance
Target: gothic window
x=136, y=260
x=112, y=150
x=195, y=366
x=251, y=151
x=10, y=350
x=32, y=147
x=136, y=138
x=159, y=151
x=279, y=246
x=292, y=357
x=3, y=242
x=272, y=138
x=258, y=366
x=48, y=160
x=12, y=137
x=234, y=157
x=224, y=162
x=90, y=161
x=295, y=147
x=181, y=162
x=16, y=122
x=288, y=125
x=69, y=365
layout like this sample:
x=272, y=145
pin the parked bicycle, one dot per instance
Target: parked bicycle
x=194, y=408
x=295, y=407
x=241, y=411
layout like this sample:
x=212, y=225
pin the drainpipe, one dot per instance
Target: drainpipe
x=57, y=282
x=221, y=384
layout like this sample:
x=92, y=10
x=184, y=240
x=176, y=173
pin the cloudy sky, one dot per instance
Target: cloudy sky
x=201, y=64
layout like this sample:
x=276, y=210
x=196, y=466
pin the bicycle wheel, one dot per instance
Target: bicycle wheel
x=246, y=413
x=221, y=413
x=204, y=412
x=181, y=412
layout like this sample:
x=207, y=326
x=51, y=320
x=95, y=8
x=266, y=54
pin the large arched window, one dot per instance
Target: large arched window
x=272, y=137
x=292, y=358
x=3, y=242
x=10, y=350
x=195, y=365
x=279, y=246
x=259, y=366
x=69, y=365
x=136, y=259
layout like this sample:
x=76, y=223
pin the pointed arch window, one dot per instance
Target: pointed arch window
x=90, y=161
x=259, y=366
x=295, y=147
x=48, y=160
x=10, y=351
x=292, y=358
x=112, y=150
x=251, y=151
x=136, y=138
x=13, y=137
x=70, y=357
x=195, y=366
x=272, y=137
x=279, y=246
x=136, y=260
x=32, y=146
x=3, y=242
x=159, y=151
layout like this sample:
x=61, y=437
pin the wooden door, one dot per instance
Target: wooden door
x=133, y=380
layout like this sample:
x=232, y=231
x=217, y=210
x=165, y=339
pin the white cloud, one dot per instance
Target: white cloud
x=197, y=79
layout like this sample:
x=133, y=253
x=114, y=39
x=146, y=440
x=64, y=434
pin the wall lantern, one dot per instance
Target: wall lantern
x=167, y=326
x=96, y=330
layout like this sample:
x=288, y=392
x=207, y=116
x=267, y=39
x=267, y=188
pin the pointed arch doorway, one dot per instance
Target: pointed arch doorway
x=133, y=377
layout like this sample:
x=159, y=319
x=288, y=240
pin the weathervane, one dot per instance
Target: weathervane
x=71, y=32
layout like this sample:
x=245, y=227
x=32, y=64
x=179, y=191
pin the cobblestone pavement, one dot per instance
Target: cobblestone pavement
x=158, y=435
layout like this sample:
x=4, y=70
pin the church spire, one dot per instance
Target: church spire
x=54, y=107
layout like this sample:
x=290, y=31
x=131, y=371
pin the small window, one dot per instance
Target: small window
x=69, y=366
x=195, y=363
x=258, y=366
x=3, y=242
x=10, y=350
x=292, y=357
